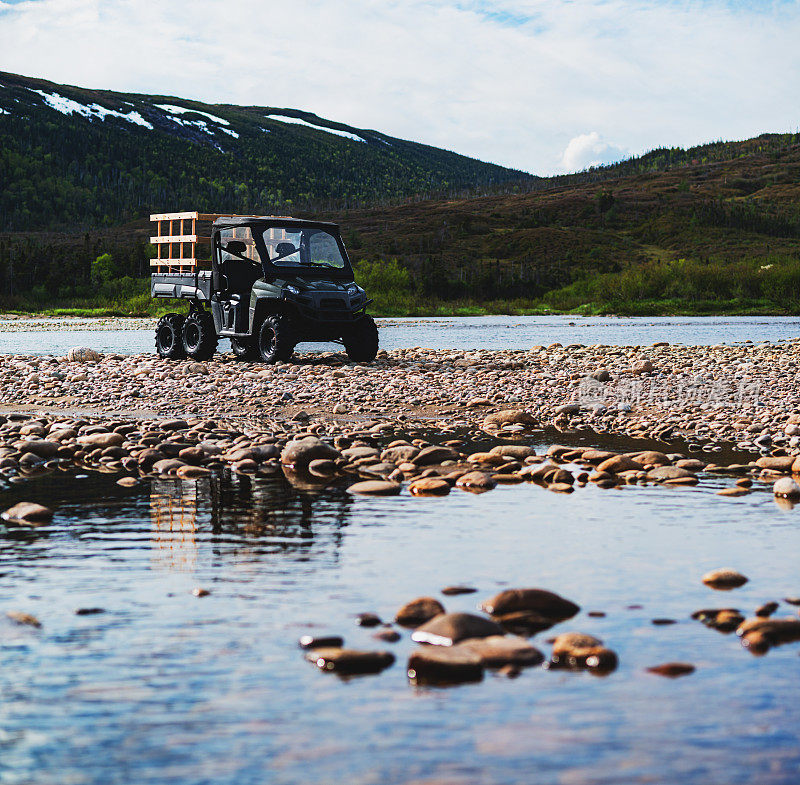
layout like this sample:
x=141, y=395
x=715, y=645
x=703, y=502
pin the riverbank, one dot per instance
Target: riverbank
x=704, y=393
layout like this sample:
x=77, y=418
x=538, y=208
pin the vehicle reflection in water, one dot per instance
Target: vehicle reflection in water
x=242, y=518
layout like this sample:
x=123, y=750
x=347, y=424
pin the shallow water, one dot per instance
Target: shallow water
x=166, y=687
x=485, y=332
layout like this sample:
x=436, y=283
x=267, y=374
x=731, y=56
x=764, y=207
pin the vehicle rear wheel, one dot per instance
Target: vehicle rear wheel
x=361, y=340
x=169, y=340
x=244, y=349
x=275, y=339
x=199, y=336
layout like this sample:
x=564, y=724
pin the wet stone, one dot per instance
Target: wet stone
x=476, y=482
x=89, y=611
x=437, y=666
x=376, y=488
x=418, y=611
x=429, y=486
x=350, y=662
x=25, y=619
x=672, y=670
x=542, y=602
x=321, y=641
x=368, y=620
x=663, y=622
x=720, y=619
x=759, y=634
x=447, y=629
x=767, y=609
x=494, y=651
x=724, y=579
x=388, y=635
x=454, y=590
x=29, y=513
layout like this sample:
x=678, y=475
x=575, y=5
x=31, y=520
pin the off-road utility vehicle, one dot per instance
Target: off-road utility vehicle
x=268, y=284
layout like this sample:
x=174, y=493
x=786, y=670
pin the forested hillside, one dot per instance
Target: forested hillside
x=707, y=229
x=73, y=158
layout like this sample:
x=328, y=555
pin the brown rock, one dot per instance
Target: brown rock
x=300, y=452
x=514, y=416
x=786, y=488
x=447, y=629
x=429, y=486
x=321, y=641
x=782, y=463
x=434, y=665
x=517, y=451
x=721, y=619
x=388, y=635
x=376, y=488
x=652, y=458
x=524, y=622
x=672, y=670
x=619, y=463
x=760, y=634
x=452, y=590
x=767, y=609
x=400, y=453
x=28, y=512
x=476, y=482
x=23, y=618
x=350, y=662
x=101, y=440
x=662, y=473
x=192, y=472
x=543, y=602
x=368, y=620
x=418, y=611
x=433, y=455
x=494, y=651
x=724, y=579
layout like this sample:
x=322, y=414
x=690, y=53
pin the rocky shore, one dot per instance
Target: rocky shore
x=739, y=394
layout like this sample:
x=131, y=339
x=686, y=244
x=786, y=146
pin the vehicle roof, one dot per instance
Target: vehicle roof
x=273, y=220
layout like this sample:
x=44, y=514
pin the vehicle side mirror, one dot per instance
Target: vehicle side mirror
x=235, y=247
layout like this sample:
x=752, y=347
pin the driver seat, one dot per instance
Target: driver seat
x=239, y=276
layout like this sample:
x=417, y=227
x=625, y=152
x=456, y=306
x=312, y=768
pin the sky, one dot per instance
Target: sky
x=547, y=86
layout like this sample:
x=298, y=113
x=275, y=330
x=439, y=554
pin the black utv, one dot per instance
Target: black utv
x=273, y=283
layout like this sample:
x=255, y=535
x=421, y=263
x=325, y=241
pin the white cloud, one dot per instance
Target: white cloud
x=586, y=150
x=511, y=81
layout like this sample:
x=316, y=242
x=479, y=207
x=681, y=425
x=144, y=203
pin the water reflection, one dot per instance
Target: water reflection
x=240, y=515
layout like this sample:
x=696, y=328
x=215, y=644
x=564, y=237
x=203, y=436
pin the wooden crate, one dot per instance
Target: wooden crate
x=183, y=241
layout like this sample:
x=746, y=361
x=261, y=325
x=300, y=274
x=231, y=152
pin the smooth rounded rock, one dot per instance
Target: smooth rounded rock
x=418, y=611
x=724, y=579
x=447, y=629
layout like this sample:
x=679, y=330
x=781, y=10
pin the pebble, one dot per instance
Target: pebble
x=495, y=651
x=759, y=634
x=418, y=611
x=429, y=486
x=767, y=609
x=439, y=666
x=477, y=482
x=672, y=670
x=321, y=641
x=29, y=513
x=23, y=618
x=199, y=591
x=542, y=602
x=579, y=650
x=724, y=579
x=786, y=488
x=453, y=590
x=376, y=488
x=350, y=662
x=388, y=635
x=447, y=629
x=721, y=619
x=368, y=620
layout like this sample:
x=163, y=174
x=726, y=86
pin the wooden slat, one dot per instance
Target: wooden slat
x=172, y=216
x=177, y=262
x=180, y=238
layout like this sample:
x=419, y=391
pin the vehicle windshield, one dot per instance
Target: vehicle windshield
x=309, y=247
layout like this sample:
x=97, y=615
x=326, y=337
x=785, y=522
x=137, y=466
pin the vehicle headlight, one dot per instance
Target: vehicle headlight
x=291, y=289
x=353, y=290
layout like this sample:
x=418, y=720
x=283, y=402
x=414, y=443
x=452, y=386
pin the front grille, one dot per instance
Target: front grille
x=332, y=302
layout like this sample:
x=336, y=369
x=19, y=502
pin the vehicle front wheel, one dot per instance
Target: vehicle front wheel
x=361, y=340
x=169, y=337
x=275, y=339
x=199, y=336
x=244, y=349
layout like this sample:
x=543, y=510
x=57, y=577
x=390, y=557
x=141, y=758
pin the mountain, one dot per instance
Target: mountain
x=73, y=158
x=674, y=230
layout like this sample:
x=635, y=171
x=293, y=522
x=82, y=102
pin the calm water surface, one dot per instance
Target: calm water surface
x=166, y=687
x=485, y=332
